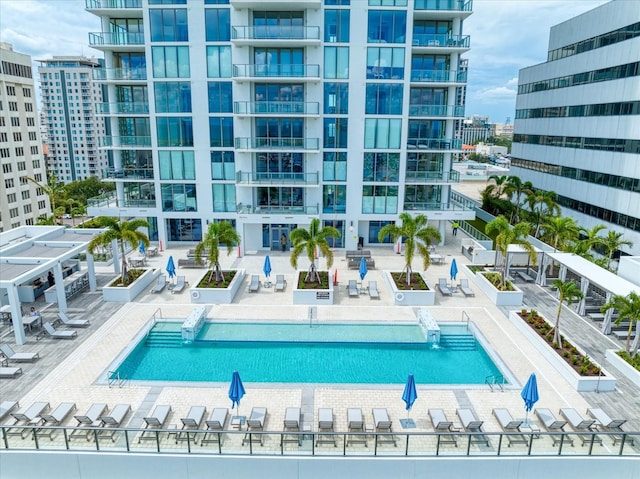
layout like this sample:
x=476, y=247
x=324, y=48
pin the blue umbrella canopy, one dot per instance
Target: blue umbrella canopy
x=410, y=394
x=454, y=269
x=267, y=266
x=236, y=389
x=171, y=267
x=142, y=248
x=530, y=393
x=363, y=268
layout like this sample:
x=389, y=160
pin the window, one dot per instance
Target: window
x=27, y=209
x=387, y=26
x=280, y=165
x=336, y=98
x=13, y=212
x=11, y=198
x=224, y=197
x=336, y=26
x=175, y=131
x=170, y=62
x=26, y=195
x=223, y=165
x=374, y=230
x=20, y=151
x=381, y=166
x=334, y=166
x=179, y=197
x=167, y=2
x=382, y=133
x=217, y=25
x=11, y=90
x=177, y=165
x=335, y=132
x=380, y=199
x=336, y=62
x=169, y=25
x=22, y=165
x=188, y=229
x=219, y=62
x=17, y=136
x=220, y=97
x=422, y=197
x=173, y=97
x=221, y=131
x=28, y=107
x=334, y=198
x=387, y=3
x=385, y=63
x=384, y=99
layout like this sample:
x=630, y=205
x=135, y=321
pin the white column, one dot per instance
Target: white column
x=606, y=323
x=16, y=314
x=562, y=274
x=442, y=227
x=541, y=276
x=60, y=289
x=584, y=287
x=116, y=257
x=91, y=268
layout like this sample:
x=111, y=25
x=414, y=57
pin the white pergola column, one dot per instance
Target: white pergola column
x=541, y=277
x=584, y=287
x=91, y=269
x=562, y=274
x=116, y=257
x=60, y=289
x=16, y=314
x=606, y=323
x=442, y=227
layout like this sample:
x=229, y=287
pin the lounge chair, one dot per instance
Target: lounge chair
x=472, y=424
x=6, y=407
x=292, y=423
x=72, y=323
x=382, y=423
x=373, y=290
x=444, y=288
x=10, y=372
x=255, y=422
x=553, y=424
x=155, y=421
x=442, y=425
x=27, y=417
x=215, y=425
x=192, y=421
x=355, y=423
x=464, y=287
x=180, y=285
x=56, y=417
x=605, y=423
x=161, y=283
x=511, y=426
x=581, y=425
x=113, y=420
x=89, y=419
x=281, y=283
x=17, y=357
x=59, y=333
x=352, y=287
x=254, y=284
x=325, y=425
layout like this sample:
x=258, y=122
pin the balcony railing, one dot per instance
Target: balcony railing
x=450, y=41
x=103, y=201
x=117, y=74
x=432, y=177
x=127, y=173
x=112, y=4
x=275, y=70
x=433, y=144
x=433, y=206
x=275, y=32
x=277, y=143
x=436, y=110
x=276, y=107
x=141, y=141
x=118, y=38
x=264, y=178
x=122, y=107
x=454, y=5
x=439, y=76
x=281, y=210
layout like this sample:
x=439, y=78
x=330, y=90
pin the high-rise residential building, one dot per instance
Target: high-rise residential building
x=577, y=124
x=20, y=145
x=476, y=129
x=71, y=104
x=337, y=109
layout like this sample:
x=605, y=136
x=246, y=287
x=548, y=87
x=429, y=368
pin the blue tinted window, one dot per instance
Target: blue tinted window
x=221, y=131
x=169, y=25
x=384, y=99
x=220, y=97
x=387, y=26
x=335, y=132
x=217, y=25
x=173, y=97
x=336, y=98
x=175, y=131
x=336, y=26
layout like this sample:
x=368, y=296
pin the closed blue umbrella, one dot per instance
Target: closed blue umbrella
x=454, y=269
x=236, y=391
x=267, y=266
x=363, y=268
x=141, y=247
x=409, y=396
x=530, y=394
x=171, y=267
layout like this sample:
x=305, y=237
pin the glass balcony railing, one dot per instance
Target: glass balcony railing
x=439, y=76
x=278, y=209
x=117, y=74
x=433, y=206
x=122, y=107
x=127, y=173
x=433, y=144
x=277, y=142
x=436, y=110
x=276, y=107
x=141, y=141
x=275, y=32
x=450, y=41
x=432, y=177
x=112, y=4
x=275, y=70
x=454, y=5
x=265, y=178
x=103, y=201
x=118, y=38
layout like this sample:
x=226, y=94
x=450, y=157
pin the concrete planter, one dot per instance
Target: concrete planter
x=410, y=298
x=120, y=294
x=580, y=383
x=631, y=373
x=312, y=296
x=499, y=298
x=216, y=295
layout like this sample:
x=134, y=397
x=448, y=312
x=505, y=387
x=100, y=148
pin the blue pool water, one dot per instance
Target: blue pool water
x=303, y=361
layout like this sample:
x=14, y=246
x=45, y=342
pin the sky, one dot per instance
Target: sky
x=506, y=35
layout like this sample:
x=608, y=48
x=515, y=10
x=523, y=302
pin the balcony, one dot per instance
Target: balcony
x=108, y=200
x=437, y=111
x=277, y=143
x=250, y=178
x=445, y=9
x=129, y=108
x=275, y=35
x=279, y=210
x=439, y=76
x=271, y=108
x=125, y=141
x=119, y=74
x=127, y=173
x=432, y=177
x=119, y=41
x=434, y=206
x=442, y=43
x=276, y=72
x=286, y=5
x=433, y=144
x=115, y=8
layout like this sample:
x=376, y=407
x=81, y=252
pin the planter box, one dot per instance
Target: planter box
x=124, y=295
x=312, y=296
x=631, y=373
x=410, y=298
x=499, y=298
x=217, y=295
x=603, y=383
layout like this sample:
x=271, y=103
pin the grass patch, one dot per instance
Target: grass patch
x=132, y=275
x=417, y=283
x=205, y=283
x=322, y=284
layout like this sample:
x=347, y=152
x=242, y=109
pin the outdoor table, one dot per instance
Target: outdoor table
x=437, y=258
x=28, y=321
x=152, y=251
x=5, y=311
x=137, y=260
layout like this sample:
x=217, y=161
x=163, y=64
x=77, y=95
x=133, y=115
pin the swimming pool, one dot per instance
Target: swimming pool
x=303, y=361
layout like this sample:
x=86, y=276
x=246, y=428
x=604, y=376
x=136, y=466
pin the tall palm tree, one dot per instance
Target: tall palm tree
x=124, y=232
x=218, y=233
x=516, y=188
x=568, y=292
x=557, y=231
x=499, y=184
x=309, y=241
x=418, y=235
x=546, y=202
x=506, y=235
x=612, y=243
x=583, y=247
x=53, y=189
x=628, y=308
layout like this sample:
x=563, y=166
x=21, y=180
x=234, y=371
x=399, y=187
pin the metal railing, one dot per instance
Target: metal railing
x=443, y=40
x=495, y=382
x=126, y=74
x=283, y=209
x=276, y=107
x=117, y=38
x=436, y=110
x=114, y=379
x=453, y=5
x=275, y=32
x=432, y=177
x=473, y=232
x=433, y=144
x=264, y=178
x=439, y=76
x=138, y=108
x=97, y=4
x=431, y=206
x=130, y=173
x=246, y=143
x=276, y=70
x=118, y=140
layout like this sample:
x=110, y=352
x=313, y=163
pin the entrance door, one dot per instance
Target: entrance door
x=276, y=234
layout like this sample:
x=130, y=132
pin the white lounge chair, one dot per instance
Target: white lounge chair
x=254, y=284
x=444, y=288
x=192, y=421
x=72, y=323
x=113, y=420
x=10, y=372
x=161, y=283
x=472, y=424
x=255, y=422
x=27, y=417
x=6, y=407
x=154, y=421
x=56, y=417
x=58, y=333
x=17, y=357
x=510, y=425
x=553, y=424
x=373, y=290
x=382, y=423
x=352, y=287
x=464, y=287
x=215, y=426
x=325, y=425
x=442, y=425
x=292, y=423
x=87, y=420
x=281, y=283
x=355, y=423
x=581, y=425
x=180, y=285
x=605, y=423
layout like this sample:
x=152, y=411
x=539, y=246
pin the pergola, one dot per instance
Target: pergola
x=29, y=252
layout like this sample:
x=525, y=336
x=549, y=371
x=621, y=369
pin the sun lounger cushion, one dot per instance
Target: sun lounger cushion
x=468, y=420
x=158, y=416
x=354, y=419
x=576, y=420
x=9, y=372
x=604, y=420
x=31, y=412
x=217, y=419
x=506, y=420
x=58, y=333
x=257, y=418
x=325, y=419
x=292, y=418
x=549, y=420
x=72, y=323
x=373, y=290
x=116, y=416
x=59, y=414
x=194, y=418
x=381, y=419
x=6, y=407
x=17, y=357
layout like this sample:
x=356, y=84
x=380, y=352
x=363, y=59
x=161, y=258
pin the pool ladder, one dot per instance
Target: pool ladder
x=312, y=312
x=115, y=380
x=495, y=382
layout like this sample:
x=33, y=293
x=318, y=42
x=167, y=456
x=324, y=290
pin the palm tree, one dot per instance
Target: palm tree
x=418, y=235
x=515, y=187
x=548, y=205
x=583, y=247
x=628, y=308
x=506, y=235
x=499, y=184
x=53, y=189
x=218, y=233
x=124, y=232
x=568, y=292
x=612, y=243
x=558, y=230
x=309, y=241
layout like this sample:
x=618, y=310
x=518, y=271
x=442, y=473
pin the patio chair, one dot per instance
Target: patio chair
x=511, y=426
x=72, y=323
x=464, y=287
x=352, y=287
x=472, y=424
x=255, y=422
x=355, y=423
x=443, y=287
x=180, y=285
x=281, y=283
x=382, y=423
x=192, y=421
x=442, y=425
x=605, y=423
x=113, y=420
x=89, y=419
x=292, y=423
x=325, y=425
x=27, y=417
x=161, y=283
x=215, y=426
x=6, y=407
x=254, y=283
x=553, y=424
x=581, y=425
x=155, y=421
x=17, y=357
x=10, y=372
x=58, y=333
x=56, y=417
x=373, y=290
